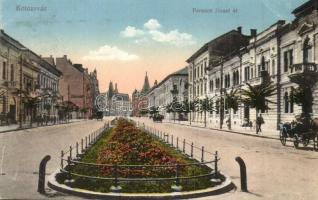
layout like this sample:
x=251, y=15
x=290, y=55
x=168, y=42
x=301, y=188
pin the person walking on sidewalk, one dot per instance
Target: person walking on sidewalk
x=259, y=122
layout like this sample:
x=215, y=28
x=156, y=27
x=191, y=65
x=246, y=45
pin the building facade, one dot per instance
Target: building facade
x=173, y=87
x=207, y=58
x=22, y=72
x=140, y=99
x=75, y=86
x=285, y=52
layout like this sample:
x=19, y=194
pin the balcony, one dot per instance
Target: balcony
x=10, y=84
x=303, y=73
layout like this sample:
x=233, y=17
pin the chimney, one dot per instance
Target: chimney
x=239, y=29
x=253, y=32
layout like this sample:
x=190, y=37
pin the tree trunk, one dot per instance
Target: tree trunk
x=230, y=120
x=256, y=125
x=205, y=118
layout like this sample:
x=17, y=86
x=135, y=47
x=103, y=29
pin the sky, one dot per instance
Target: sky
x=124, y=39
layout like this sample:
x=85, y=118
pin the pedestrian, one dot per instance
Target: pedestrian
x=259, y=122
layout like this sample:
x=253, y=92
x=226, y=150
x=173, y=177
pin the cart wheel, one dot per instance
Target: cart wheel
x=282, y=137
x=316, y=143
x=296, y=141
x=306, y=142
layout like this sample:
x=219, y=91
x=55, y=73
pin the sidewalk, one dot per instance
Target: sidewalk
x=15, y=127
x=237, y=130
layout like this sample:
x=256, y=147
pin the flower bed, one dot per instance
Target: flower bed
x=128, y=145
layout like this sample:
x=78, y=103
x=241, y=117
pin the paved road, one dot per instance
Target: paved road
x=22, y=151
x=274, y=172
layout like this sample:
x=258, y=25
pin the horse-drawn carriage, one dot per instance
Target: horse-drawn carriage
x=302, y=132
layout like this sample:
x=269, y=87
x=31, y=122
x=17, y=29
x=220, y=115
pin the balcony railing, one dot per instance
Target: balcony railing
x=303, y=68
x=10, y=84
x=304, y=73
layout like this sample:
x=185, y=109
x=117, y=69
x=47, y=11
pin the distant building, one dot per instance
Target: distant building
x=162, y=94
x=117, y=104
x=140, y=100
x=75, y=86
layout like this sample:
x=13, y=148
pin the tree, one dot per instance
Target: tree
x=232, y=102
x=153, y=110
x=47, y=107
x=84, y=110
x=257, y=96
x=205, y=106
x=302, y=96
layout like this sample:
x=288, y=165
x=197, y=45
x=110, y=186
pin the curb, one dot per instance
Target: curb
x=226, y=186
x=26, y=128
x=235, y=132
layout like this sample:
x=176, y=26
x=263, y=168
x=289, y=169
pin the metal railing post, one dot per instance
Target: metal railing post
x=216, y=163
x=85, y=142
x=172, y=140
x=76, y=149
x=70, y=152
x=62, y=155
x=177, y=143
x=82, y=142
x=191, y=155
x=183, y=148
x=202, y=154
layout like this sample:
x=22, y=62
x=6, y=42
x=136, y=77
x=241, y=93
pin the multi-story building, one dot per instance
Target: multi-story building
x=75, y=86
x=284, y=53
x=172, y=87
x=94, y=86
x=115, y=103
x=207, y=58
x=21, y=73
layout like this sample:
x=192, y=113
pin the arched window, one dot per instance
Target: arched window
x=286, y=102
x=291, y=102
x=12, y=73
x=307, y=51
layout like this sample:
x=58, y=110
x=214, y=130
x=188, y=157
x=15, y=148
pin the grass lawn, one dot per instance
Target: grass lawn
x=127, y=145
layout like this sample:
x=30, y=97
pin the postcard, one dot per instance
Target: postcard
x=170, y=99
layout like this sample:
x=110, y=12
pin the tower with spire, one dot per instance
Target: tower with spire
x=116, y=88
x=146, y=86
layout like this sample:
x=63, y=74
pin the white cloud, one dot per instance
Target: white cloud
x=173, y=37
x=109, y=53
x=151, y=32
x=152, y=24
x=131, y=32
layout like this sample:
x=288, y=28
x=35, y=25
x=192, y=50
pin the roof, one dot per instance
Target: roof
x=223, y=44
x=121, y=96
x=180, y=72
x=308, y=6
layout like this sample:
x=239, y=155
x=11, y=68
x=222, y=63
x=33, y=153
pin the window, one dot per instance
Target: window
x=211, y=85
x=12, y=73
x=201, y=70
x=291, y=103
x=4, y=70
x=247, y=73
x=286, y=102
x=288, y=59
x=307, y=51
